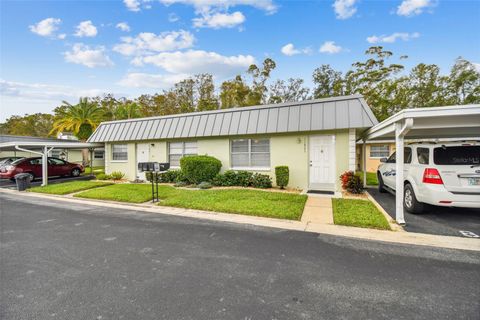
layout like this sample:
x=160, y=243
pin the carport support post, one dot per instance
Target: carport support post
x=364, y=163
x=400, y=131
x=45, y=166
x=91, y=161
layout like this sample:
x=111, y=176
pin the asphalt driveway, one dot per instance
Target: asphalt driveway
x=8, y=184
x=437, y=220
x=68, y=261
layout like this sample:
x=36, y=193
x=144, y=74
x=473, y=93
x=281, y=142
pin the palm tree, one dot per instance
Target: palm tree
x=81, y=119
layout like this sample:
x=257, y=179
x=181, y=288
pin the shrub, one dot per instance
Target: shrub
x=261, y=181
x=204, y=185
x=169, y=176
x=200, y=168
x=282, y=176
x=180, y=184
x=351, y=182
x=117, y=175
x=103, y=176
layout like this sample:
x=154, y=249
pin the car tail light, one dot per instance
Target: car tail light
x=431, y=175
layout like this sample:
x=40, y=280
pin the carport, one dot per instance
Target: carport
x=422, y=123
x=42, y=148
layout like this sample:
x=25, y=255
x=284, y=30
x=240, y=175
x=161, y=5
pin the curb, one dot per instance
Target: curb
x=420, y=239
x=393, y=224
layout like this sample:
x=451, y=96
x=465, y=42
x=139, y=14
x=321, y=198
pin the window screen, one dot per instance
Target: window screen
x=379, y=151
x=177, y=150
x=119, y=152
x=250, y=153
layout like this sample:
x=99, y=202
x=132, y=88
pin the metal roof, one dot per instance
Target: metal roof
x=311, y=115
x=10, y=138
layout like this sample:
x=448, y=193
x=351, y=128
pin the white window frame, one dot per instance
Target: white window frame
x=103, y=155
x=183, y=154
x=249, y=152
x=112, y=152
x=379, y=157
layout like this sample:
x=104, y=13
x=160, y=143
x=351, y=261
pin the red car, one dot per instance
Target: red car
x=33, y=166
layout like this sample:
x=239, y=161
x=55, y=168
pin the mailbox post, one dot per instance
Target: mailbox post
x=155, y=169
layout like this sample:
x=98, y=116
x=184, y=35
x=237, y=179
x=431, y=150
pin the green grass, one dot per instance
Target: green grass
x=358, y=213
x=96, y=170
x=248, y=202
x=371, y=178
x=69, y=187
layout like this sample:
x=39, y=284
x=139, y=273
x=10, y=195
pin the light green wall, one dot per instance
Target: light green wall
x=291, y=150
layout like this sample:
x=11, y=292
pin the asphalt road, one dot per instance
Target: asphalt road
x=68, y=261
x=436, y=220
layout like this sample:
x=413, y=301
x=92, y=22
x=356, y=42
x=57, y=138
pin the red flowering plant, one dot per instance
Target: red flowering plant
x=351, y=182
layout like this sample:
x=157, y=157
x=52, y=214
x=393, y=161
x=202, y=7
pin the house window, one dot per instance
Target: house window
x=55, y=153
x=177, y=150
x=98, y=154
x=119, y=152
x=422, y=155
x=379, y=151
x=250, y=153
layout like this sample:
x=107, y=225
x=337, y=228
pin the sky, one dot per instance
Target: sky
x=62, y=50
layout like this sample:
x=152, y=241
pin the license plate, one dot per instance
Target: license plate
x=474, y=181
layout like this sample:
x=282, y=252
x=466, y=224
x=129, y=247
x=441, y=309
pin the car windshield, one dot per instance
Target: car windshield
x=457, y=155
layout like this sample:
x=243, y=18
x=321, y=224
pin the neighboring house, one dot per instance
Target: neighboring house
x=374, y=151
x=71, y=155
x=315, y=139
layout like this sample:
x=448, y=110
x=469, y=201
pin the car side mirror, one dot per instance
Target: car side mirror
x=383, y=160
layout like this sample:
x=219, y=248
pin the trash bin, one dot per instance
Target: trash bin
x=23, y=181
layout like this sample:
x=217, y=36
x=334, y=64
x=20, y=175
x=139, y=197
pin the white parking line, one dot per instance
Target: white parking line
x=469, y=234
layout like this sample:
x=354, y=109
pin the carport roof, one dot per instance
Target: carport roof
x=56, y=144
x=461, y=121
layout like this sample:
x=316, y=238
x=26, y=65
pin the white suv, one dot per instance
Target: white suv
x=441, y=174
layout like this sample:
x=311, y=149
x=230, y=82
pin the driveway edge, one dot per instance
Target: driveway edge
x=350, y=232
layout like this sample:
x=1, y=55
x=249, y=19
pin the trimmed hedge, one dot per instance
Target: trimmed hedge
x=282, y=176
x=170, y=176
x=232, y=178
x=197, y=169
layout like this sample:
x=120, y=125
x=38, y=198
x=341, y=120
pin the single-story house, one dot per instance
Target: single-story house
x=374, y=152
x=315, y=139
x=70, y=155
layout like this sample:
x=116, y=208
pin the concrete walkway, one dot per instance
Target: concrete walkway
x=318, y=210
x=317, y=226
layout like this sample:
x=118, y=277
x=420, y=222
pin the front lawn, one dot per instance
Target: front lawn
x=371, y=178
x=96, y=170
x=249, y=202
x=69, y=187
x=358, y=213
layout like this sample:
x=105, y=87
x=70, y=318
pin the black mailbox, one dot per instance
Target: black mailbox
x=153, y=166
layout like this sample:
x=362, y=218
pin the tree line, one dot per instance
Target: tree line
x=386, y=87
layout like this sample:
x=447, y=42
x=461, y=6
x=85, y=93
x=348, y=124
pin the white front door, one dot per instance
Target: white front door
x=143, y=155
x=322, y=163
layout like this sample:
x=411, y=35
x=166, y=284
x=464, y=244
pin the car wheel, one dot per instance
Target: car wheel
x=410, y=202
x=381, y=187
x=75, y=172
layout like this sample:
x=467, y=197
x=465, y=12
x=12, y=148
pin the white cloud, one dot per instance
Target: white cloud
x=147, y=42
x=86, y=29
x=413, y=7
x=132, y=5
x=146, y=80
x=330, y=47
x=46, y=27
x=344, y=9
x=83, y=54
x=290, y=50
x=206, y=5
x=198, y=61
x=219, y=20
x=62, y=36
x=172, y=17
x=393, y=37
x=123, y=26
